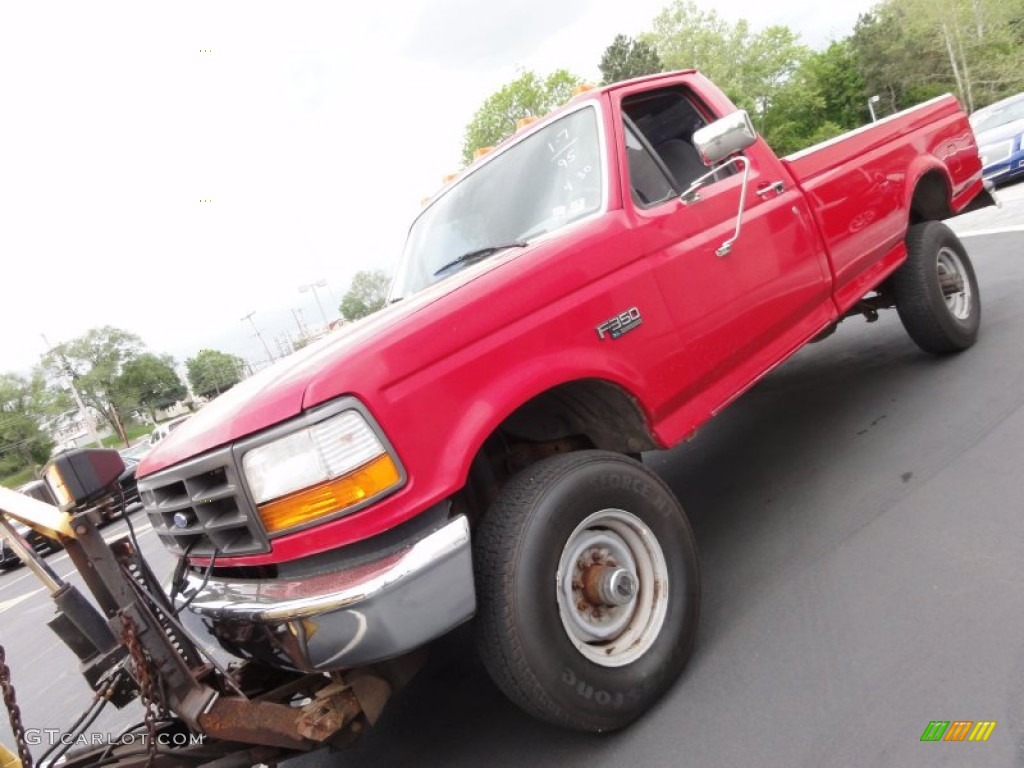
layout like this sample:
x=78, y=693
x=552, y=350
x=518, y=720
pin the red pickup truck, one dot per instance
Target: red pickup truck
x=600, y=285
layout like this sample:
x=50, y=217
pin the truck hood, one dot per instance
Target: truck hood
x=279, y=391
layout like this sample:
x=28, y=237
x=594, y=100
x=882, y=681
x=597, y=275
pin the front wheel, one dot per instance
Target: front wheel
x=936, y=292
x=588, y=590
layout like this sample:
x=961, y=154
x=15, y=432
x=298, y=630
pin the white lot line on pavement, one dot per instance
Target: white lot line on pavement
x=15, y=581
x=144, y=528
x=16, y=600
x=992, y=231
x=993, y=220
x=60, y=559
x=1007, y=218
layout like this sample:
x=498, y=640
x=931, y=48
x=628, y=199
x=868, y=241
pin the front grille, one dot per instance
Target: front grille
x=208, y=492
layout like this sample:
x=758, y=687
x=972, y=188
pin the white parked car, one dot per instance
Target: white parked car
x=163, y=430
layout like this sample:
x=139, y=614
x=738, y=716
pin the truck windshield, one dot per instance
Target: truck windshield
x=538, y=185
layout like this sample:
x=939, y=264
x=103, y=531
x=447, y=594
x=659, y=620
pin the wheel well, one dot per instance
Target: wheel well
x=577, y=415
x=931, y=199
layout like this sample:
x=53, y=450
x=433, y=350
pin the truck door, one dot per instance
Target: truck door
x=736, y=314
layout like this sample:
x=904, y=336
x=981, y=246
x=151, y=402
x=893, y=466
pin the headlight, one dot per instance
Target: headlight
x=318, y=471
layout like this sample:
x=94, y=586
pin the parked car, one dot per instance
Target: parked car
x=136, y=451
x=126, y=481
x=163, y=430
x=7, y=557
x=1000, y=131
x=44, y=545
x=131, y=457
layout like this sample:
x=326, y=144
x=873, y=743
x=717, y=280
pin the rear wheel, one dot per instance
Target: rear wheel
x=588, y=590
x=936, y=291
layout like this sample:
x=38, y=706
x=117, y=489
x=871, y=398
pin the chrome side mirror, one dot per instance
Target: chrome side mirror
x=725, y=137
x=691, y=196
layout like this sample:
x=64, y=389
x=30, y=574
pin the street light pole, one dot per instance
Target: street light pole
x=258, y=334
x=313, y=287
x=871, y=107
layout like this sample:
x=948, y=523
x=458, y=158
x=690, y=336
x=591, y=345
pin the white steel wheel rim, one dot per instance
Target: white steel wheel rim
x=612, y=635
x=951, y=268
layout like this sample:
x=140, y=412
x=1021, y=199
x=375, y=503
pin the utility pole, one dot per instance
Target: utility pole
x=259, y=335
x=313, y=287
x=302, y=331
x=90, y=426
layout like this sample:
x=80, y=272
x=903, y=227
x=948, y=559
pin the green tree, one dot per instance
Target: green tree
x=759, y=71
x=686, y=36
x=150, y=382
x=529, y=95
x=911, y=50
x=627, y=58
x=784, y=105
x=898, y=64
x=95, y=361
x=366, y=294
x=22, y=442
x=211, y=372
x=836, y=76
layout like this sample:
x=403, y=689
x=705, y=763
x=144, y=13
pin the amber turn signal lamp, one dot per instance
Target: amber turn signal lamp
x=324, y=499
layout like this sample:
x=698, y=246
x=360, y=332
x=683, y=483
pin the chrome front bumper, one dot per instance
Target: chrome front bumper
x=347, y=617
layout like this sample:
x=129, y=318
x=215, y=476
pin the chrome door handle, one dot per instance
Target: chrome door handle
x=773, y=186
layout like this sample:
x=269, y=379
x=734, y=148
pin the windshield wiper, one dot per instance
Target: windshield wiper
x=479, y=254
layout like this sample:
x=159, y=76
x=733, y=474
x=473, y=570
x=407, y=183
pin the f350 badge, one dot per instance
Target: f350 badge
x=622, y=323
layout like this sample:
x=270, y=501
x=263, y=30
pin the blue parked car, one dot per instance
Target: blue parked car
x=999, y=129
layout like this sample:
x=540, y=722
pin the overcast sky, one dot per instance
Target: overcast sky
x=313, y=129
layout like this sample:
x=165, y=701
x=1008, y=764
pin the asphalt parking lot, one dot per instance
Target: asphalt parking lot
x=859, y=517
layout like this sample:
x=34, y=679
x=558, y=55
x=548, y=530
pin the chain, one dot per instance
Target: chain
x=13, y=711
x=131, y=640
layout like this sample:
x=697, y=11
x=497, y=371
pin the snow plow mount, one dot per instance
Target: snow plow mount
x=198, y=712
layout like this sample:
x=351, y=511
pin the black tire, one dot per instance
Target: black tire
x=937, y=324
x=523, y=642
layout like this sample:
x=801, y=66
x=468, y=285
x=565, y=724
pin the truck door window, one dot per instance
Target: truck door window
x=667, y=120
x=649, y=183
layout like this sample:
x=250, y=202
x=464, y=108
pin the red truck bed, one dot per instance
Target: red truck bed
x=862, y=208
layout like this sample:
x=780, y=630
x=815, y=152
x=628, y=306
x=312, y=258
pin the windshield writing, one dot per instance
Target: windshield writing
x=548, y=180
